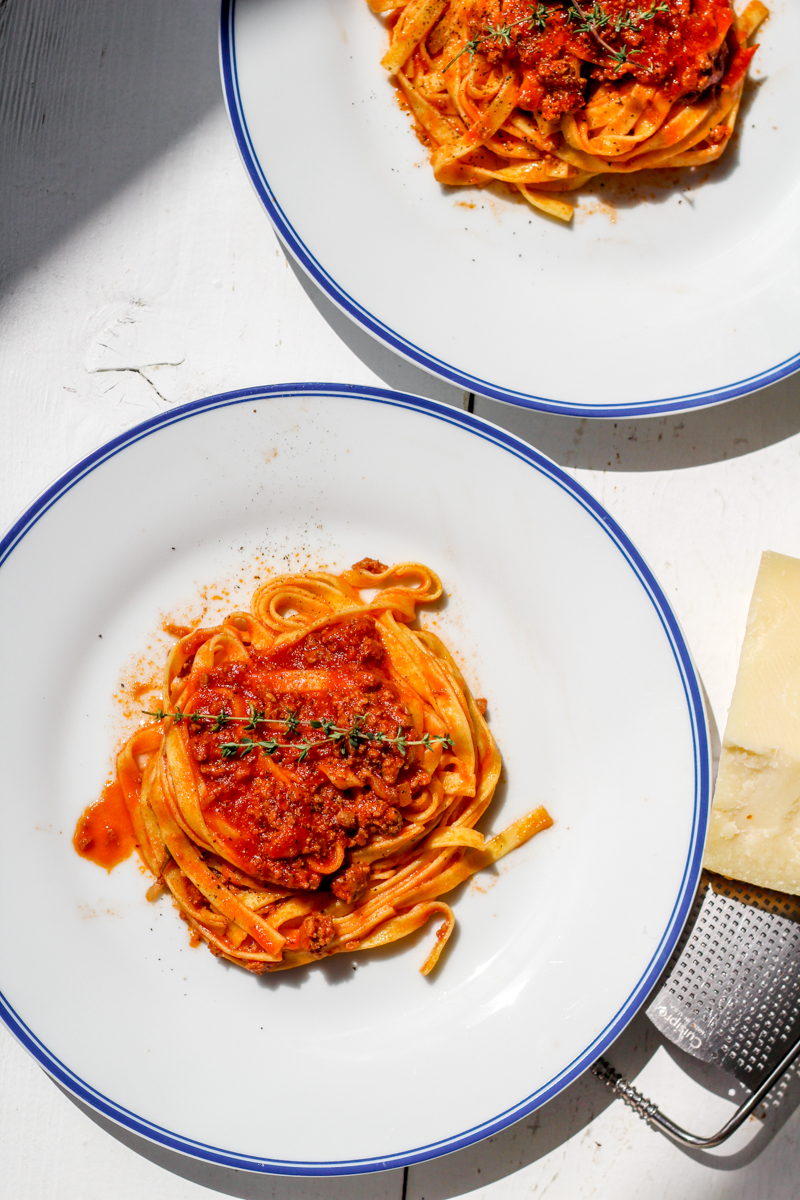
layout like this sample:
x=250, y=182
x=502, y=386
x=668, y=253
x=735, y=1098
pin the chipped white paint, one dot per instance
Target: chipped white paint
x=140, y=272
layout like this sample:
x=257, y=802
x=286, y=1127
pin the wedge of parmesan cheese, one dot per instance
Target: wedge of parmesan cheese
x=754, y=831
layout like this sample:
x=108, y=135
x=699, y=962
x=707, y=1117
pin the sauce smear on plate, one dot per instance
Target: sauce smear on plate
x=104, y=833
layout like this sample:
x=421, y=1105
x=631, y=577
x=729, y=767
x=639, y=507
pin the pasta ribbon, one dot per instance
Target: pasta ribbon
x=312, y=782
x=545, y=97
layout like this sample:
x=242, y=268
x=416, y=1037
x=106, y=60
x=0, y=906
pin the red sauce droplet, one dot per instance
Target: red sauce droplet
x=104, y=833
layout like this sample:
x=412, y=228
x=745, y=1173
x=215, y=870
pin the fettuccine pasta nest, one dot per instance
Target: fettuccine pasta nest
x=544, y=97
x=313, y=779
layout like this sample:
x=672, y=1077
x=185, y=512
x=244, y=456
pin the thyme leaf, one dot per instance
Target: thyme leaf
x=339, y=737
x=586, y=20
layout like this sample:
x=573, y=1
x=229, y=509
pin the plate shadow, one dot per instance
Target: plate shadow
x=686, y=439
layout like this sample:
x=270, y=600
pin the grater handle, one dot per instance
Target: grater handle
x=648, y=1111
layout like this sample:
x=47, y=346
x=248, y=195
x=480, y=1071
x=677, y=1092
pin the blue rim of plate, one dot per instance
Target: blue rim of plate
x=62, y=1073
x=401, y=345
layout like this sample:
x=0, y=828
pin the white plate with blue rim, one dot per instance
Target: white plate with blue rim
x=670, y=292
x=358, y=1063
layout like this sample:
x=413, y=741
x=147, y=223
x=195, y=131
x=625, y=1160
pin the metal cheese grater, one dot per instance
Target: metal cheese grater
x=731, y=997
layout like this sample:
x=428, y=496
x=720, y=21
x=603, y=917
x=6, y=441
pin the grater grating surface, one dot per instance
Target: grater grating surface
x=732, y=997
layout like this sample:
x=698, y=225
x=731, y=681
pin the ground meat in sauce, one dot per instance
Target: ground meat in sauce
x=371, y=566
x=290, y=822
x=683, y=51
x=315, y=933
x=351, y=883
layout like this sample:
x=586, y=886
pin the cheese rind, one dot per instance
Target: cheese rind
x=754, y=829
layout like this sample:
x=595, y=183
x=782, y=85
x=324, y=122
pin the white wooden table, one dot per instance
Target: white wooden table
x=138, y=271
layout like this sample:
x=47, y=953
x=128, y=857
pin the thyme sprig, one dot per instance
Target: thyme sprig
x=342, y=738
x=501, y=33
x=590, y=21
x=597, y=18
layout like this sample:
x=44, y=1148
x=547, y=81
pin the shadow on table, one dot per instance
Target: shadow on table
x=770, y=1117
x=572, y=1111
x=90, y=92
x=687, y=439
x=396, y=372
x=544, y=1130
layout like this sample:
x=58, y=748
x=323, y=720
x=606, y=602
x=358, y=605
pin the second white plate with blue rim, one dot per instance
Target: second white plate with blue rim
x=682, y=295
x=358, y=1063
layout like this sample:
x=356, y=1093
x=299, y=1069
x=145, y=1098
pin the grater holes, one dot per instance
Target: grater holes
x=732, y=995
